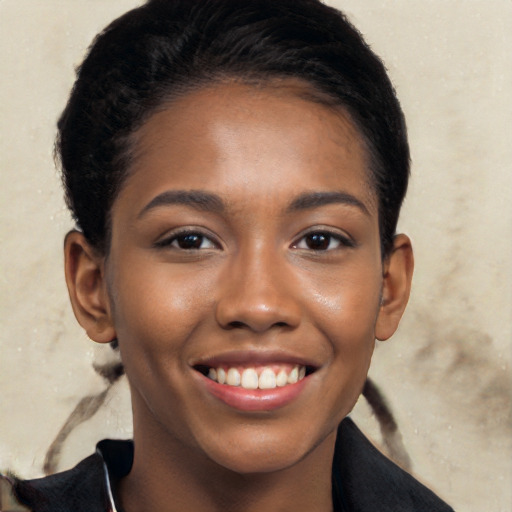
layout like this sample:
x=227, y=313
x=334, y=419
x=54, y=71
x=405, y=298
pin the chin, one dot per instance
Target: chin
x=263, y=452
x=257, y=463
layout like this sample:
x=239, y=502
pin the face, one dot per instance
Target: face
x=245, y=246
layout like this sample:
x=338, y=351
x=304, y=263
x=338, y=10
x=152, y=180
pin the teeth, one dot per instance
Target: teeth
x=294, y=375
x=249, y=378
x=233, y=377
x=282, y=379
x=267, y=379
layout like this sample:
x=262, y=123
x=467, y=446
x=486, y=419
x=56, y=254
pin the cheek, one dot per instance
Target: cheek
x=344, y=308
x=346, y=305
x=156, y=306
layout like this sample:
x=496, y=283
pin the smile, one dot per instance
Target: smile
x=252, y=386
x=266, y=377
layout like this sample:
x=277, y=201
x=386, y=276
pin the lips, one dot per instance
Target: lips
x=254, y=381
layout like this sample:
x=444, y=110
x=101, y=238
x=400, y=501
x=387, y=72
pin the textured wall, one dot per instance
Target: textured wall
x=447, y=371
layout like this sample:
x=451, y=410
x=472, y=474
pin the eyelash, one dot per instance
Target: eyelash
x=174, y=239
x=322, y=236
x=329, y=236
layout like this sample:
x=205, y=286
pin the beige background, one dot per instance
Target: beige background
x=447, y=371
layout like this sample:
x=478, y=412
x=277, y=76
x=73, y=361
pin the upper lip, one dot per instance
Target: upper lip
x=253, y=357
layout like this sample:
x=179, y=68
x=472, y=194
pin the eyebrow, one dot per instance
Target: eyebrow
x=316, y=199
x=208, y=202
x=197, y=199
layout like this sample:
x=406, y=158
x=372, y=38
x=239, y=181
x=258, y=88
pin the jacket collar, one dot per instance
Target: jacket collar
x=369, y=481
x=363, y=480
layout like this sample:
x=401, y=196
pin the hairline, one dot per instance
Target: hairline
x=306, y=90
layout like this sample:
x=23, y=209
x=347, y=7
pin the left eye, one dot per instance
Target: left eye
x=321, y=241
x=188, y=241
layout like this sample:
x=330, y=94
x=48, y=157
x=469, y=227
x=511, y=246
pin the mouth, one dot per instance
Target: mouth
x=270, y=376
x=253, y=382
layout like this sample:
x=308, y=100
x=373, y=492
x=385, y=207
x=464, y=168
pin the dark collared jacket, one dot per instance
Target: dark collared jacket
x=363, y=480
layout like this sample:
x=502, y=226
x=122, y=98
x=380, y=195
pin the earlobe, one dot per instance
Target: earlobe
x=84, y=269
x=397, y=278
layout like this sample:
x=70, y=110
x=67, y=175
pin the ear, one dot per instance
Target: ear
x=85, y=278
x=396, y=287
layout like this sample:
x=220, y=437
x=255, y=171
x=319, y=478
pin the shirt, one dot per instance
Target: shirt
x=363, y=480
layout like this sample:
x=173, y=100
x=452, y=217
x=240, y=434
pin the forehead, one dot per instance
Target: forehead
x=266, y=137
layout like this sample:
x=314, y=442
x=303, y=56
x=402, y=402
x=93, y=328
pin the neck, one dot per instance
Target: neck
x=169, y=477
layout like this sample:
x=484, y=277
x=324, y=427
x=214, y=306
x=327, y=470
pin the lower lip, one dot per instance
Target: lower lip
x=254, y=399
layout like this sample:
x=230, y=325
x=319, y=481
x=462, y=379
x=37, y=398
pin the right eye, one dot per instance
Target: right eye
x=188, y=241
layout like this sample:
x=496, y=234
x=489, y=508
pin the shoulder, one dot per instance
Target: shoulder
x=370, y=481
x=8, y=501
x=84, y=488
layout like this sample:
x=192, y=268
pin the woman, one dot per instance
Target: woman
x=236, y=170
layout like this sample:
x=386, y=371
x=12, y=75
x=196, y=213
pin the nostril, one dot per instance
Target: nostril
x=241, y=325
x=236, y=325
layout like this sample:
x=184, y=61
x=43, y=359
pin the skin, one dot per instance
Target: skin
x=256, y=282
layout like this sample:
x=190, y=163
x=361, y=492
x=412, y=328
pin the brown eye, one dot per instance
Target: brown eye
x=323, y=241
x=318, y=241
x=191, y=241
x=188, y=241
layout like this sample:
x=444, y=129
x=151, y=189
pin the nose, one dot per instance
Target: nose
x=257, y=294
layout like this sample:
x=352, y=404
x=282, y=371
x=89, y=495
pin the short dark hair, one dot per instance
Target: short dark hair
x=166, y=48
